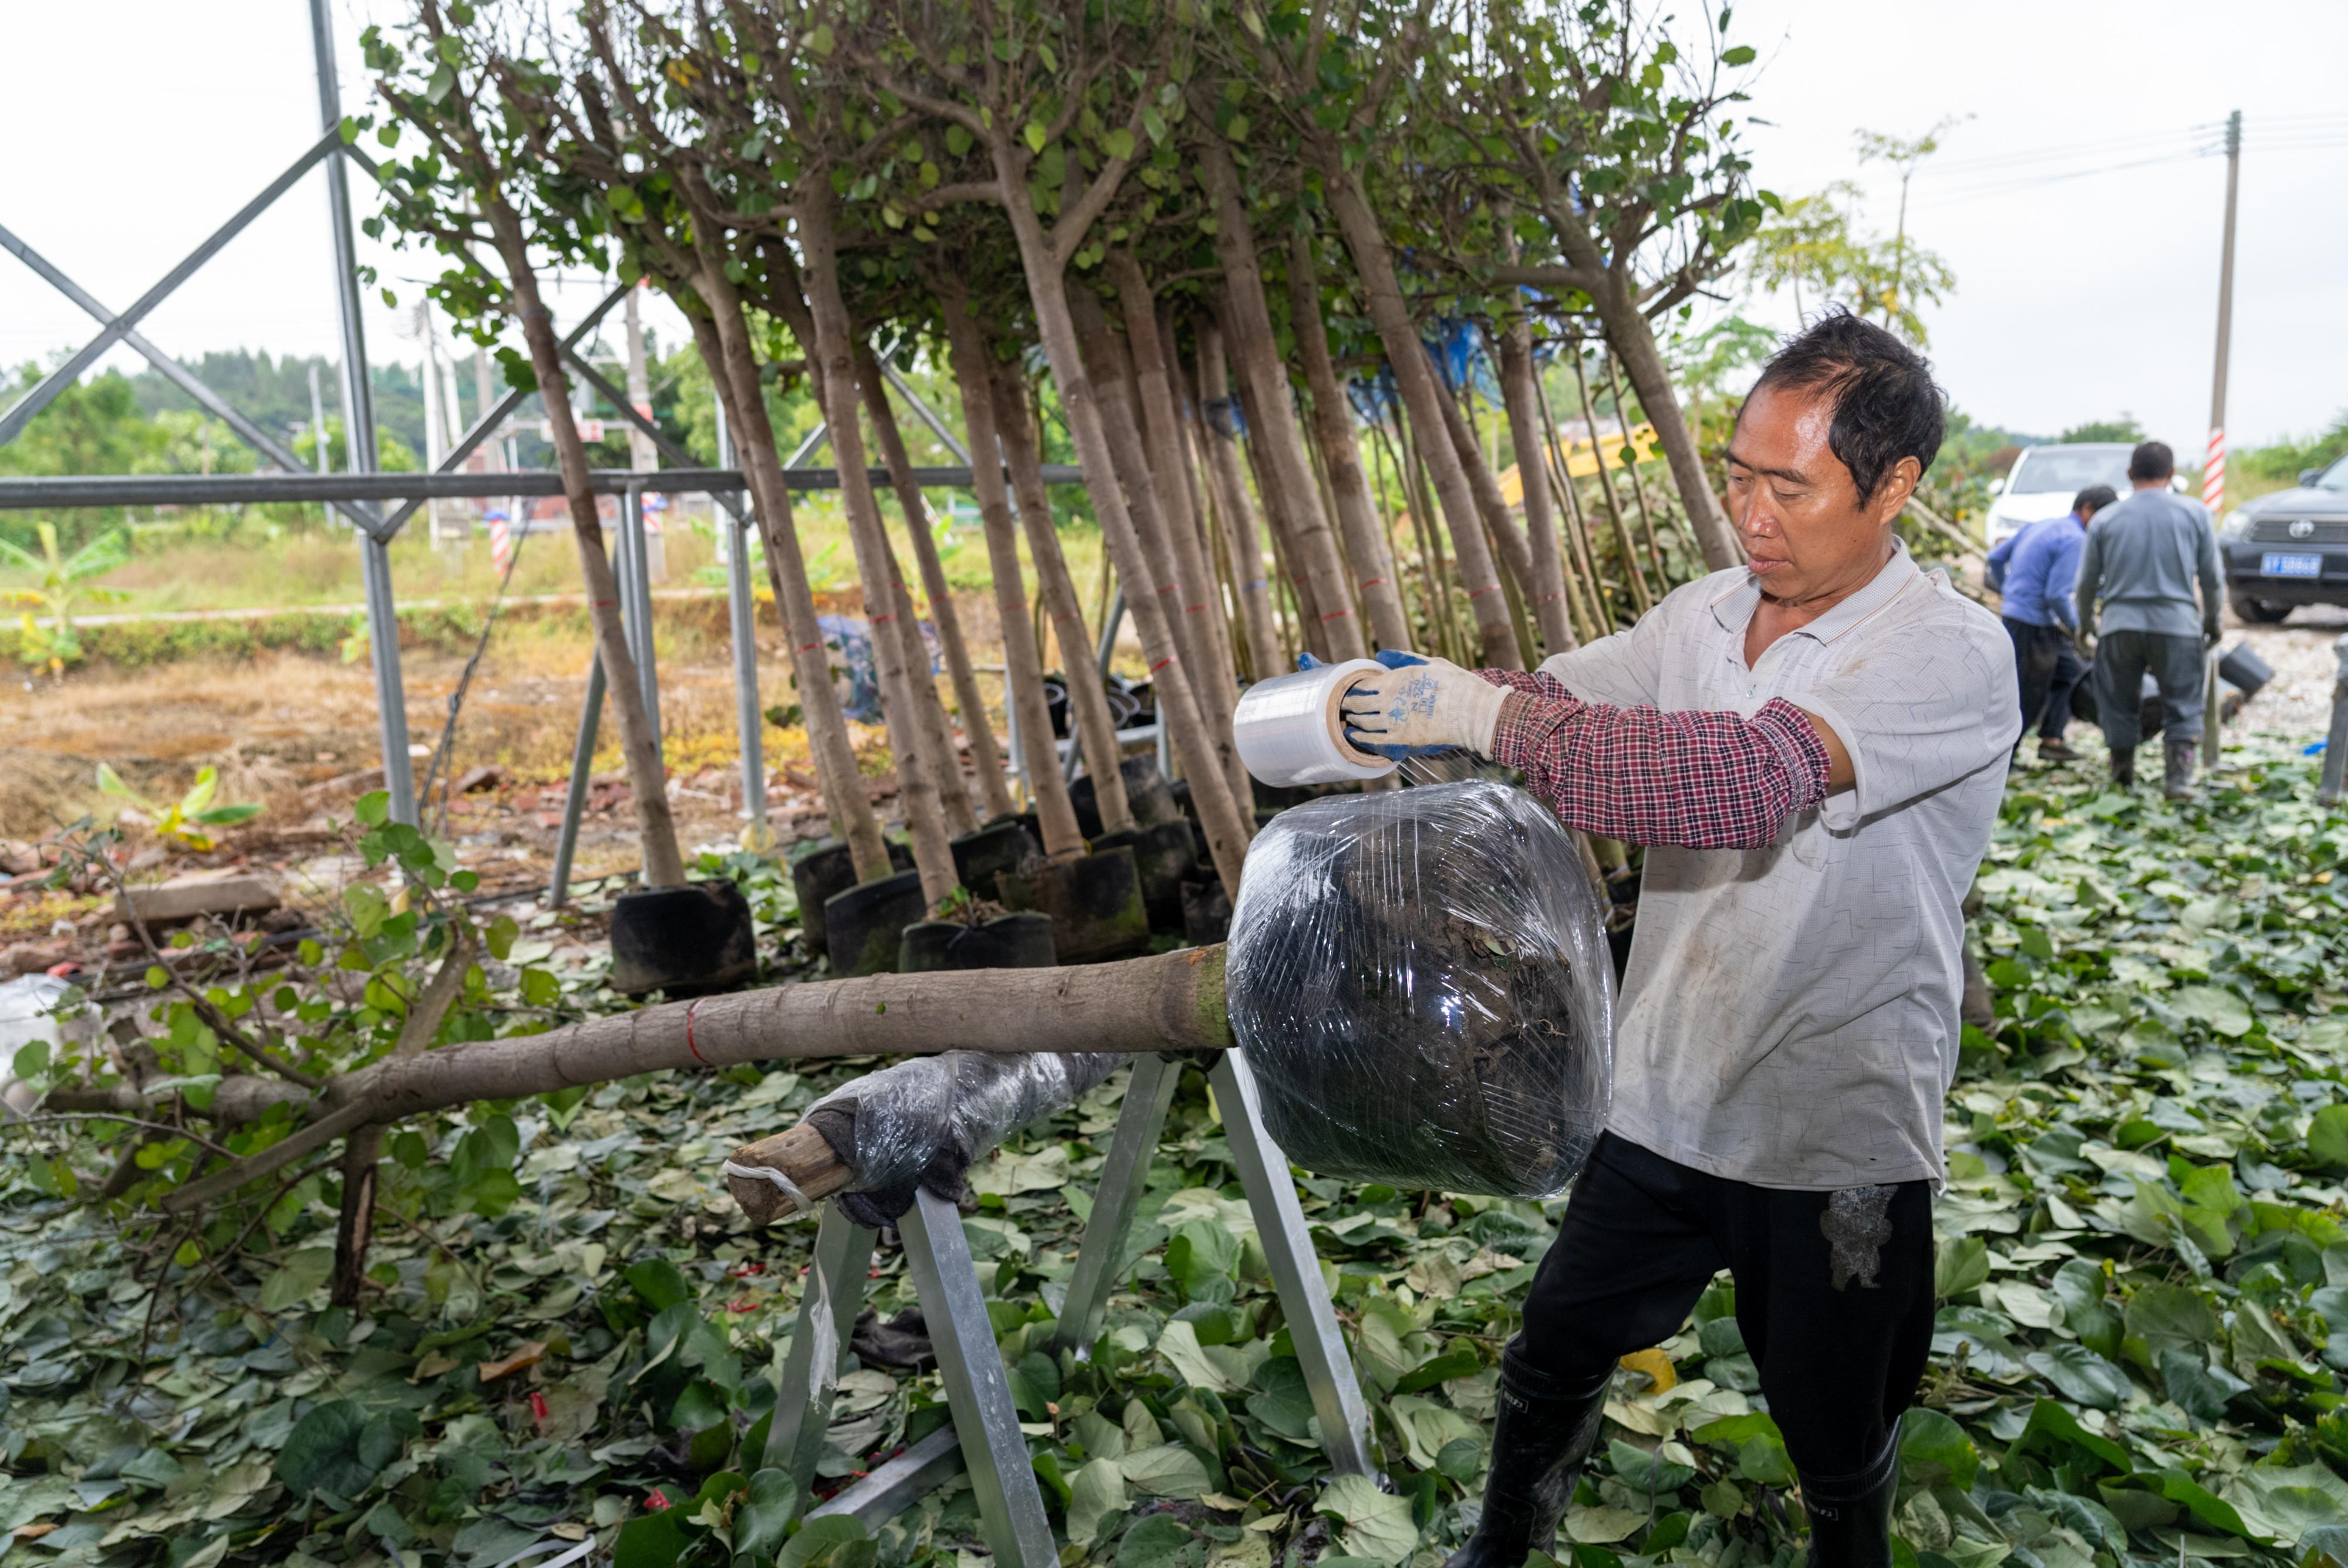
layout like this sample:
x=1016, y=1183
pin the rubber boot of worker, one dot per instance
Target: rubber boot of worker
x=1850, y=1515
x=1542, y=1430
x=2124, y=766
x=2176, y=774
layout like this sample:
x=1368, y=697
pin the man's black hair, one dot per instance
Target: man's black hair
x=2152, y=460
x=1887, y=406
x=2094, y=499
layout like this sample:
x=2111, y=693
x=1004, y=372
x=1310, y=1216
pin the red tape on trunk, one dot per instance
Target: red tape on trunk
x=690, y=1008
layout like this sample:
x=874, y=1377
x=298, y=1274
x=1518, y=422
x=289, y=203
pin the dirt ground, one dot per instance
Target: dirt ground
x=298, y=736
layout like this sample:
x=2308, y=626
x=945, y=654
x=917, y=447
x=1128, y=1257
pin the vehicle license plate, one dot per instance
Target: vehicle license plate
x=2277, y=563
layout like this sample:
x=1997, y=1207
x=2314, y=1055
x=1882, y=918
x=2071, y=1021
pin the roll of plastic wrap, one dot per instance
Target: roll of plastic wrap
x=1289, y=732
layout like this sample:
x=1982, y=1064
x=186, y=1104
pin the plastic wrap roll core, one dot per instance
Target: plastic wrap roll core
x=1289, y=732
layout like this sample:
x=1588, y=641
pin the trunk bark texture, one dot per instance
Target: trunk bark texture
x=1235, y=510
x=1552, y=609
x=1168, y=1003
x=1423, y=400
x=1341, y=456
x=1023, y=681
x=1272, y=409
x=983, y=755
x=1227, y=829
x=1088, y=700
x=834, y=349
x=1162, y=428
x=724, y=345
x=663, y=865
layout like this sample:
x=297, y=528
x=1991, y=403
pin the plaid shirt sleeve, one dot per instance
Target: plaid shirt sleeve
x=1704, y=780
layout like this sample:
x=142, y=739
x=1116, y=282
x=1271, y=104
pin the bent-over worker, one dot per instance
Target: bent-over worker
x=1813, y=747
x=2039, y=617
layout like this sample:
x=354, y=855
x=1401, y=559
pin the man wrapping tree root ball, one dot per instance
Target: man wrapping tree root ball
x=1812, y=746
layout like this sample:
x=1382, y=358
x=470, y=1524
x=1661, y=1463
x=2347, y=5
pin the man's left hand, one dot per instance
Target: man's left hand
x=1422, y=705
x=2210, y=634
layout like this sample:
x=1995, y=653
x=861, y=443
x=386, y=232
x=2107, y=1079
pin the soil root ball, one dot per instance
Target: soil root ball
x=1421, y=982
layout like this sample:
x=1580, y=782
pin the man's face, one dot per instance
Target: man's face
x=1807, y=533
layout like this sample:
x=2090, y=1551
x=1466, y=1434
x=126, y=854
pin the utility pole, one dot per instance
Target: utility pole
x=2213, y=467
x=317, y=422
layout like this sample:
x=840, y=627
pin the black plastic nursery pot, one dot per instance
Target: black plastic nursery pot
x=1145, y=791
x=863, y=927
x=824, y=869
x=1012, y=942
x=687, y=941
x=1094, y=900
x=1163, y=854
x=1206, y=912
x=1002, y=844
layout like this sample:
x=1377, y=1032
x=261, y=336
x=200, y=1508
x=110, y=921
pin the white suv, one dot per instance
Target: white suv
x=2043, y=480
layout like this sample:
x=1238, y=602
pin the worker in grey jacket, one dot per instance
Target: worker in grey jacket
x=2142, y=560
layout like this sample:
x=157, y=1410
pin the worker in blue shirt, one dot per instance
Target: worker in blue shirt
x=2041, y=616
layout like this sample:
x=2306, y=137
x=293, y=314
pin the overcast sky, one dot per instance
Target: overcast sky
x=146, y=124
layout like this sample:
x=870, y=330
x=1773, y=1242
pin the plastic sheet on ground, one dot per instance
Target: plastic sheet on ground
x=1421, y=982
x=921, y=1122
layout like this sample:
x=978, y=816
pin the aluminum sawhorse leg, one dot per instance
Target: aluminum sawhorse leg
x=984, y=1436
x=986, y=1424
x=1279, y=1225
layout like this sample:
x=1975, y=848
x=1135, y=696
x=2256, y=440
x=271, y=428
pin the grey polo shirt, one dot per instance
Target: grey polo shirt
x=2143, y=557
x=1790, y=1016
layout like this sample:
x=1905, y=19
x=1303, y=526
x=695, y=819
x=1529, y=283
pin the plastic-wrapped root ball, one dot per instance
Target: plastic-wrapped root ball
x=1421, y=983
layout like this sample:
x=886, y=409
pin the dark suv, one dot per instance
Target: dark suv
x=2290, y=548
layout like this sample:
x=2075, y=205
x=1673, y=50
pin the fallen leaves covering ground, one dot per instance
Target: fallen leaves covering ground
x=2143, y=1261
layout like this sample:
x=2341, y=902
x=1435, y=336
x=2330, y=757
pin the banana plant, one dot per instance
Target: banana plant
x=48, y=640
x=184, y=820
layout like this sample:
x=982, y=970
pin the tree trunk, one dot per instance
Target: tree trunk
x=1212, y=685
x=1601, y=602
x=1516, y=555
x=1023, y=679
x=1088, y=700
x=1634, y=344
x=1227, y=829
x=1630, y=567
x=1110, y=374
x=1236, y=510
x=1210, y=639
x=1423, y=400
x=1639, y=482
x=1333, y=424
x=1305, y=612
x=355, y=1227
x=1550, y=606
x=725, y=344
x=940, y=756
x=1167, y=1002
x=1271, y=407
x=834, y=352
x=984, y=757
x=664, y=866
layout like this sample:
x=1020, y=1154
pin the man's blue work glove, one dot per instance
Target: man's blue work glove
x=1420, y=706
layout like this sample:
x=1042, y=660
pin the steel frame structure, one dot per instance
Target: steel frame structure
x=362, y=494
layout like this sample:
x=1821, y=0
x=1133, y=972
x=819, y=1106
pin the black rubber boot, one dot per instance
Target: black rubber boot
x=2177, y=776
x=2124, y=766
x=1850, y=1515
x=1541, y=1431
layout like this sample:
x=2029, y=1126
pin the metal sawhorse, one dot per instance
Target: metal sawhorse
x=985, y=1435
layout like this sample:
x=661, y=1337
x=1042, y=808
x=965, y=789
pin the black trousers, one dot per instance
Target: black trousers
x=2122, y=659
x=1834, y=1291
x=2048, y=667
